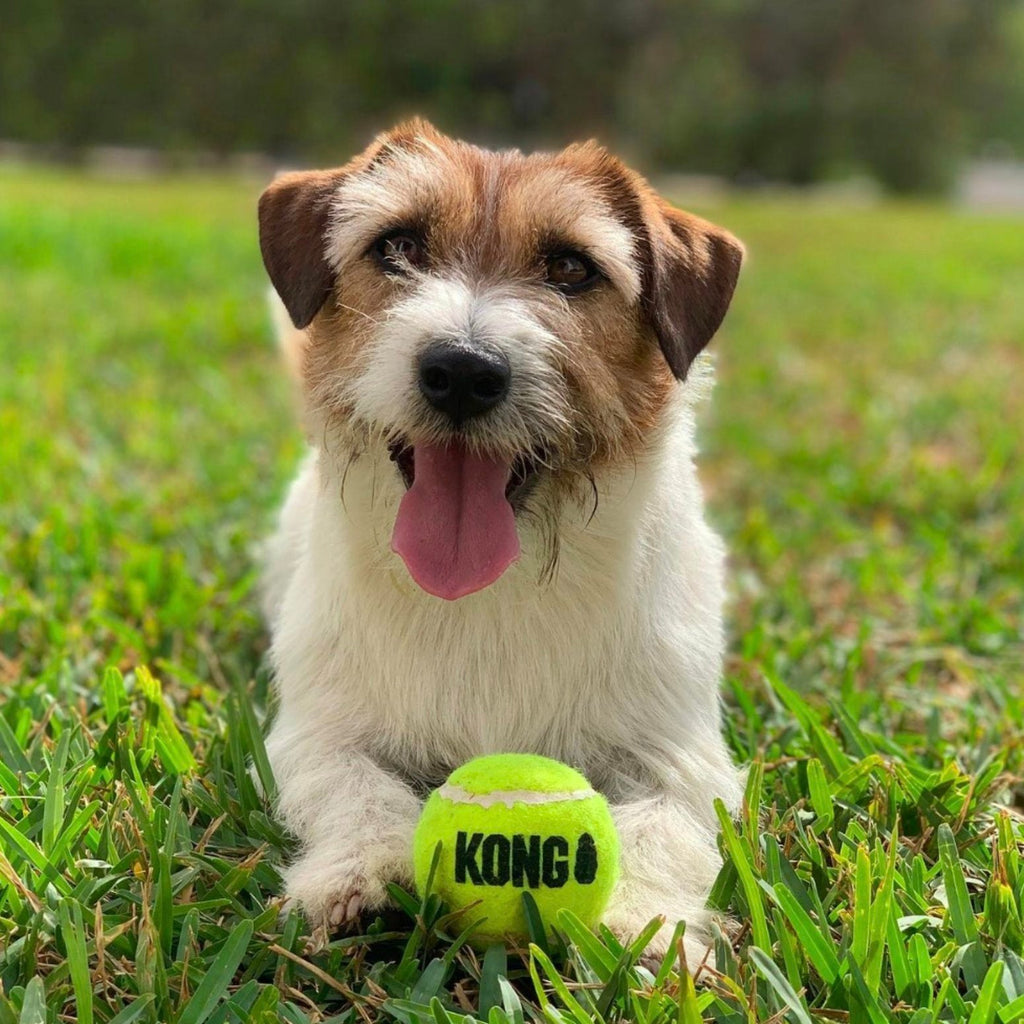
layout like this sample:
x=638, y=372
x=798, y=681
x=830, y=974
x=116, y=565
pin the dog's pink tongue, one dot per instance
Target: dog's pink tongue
x=455, y=529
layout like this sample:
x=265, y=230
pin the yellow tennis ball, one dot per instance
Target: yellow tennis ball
x=515, y=823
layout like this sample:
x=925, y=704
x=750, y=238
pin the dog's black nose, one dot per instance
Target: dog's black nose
x=463, y=382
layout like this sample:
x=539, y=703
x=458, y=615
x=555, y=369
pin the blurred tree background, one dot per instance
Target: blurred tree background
x=779, y=90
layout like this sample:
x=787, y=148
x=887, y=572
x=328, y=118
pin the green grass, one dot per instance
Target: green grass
x=863, y=458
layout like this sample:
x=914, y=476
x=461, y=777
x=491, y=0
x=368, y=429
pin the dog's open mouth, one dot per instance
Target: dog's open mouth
x=456, y=529
x=521, y=480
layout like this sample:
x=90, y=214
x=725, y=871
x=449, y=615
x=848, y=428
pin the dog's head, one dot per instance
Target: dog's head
x=506, y=325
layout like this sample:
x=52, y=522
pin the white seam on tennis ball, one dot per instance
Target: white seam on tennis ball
x=508, y=797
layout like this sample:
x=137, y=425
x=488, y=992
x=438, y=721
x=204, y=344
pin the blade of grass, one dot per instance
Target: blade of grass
x=219, y=975
x=73, y=931
x=133, y=1011
x=984, y=1011
x=494, y=968
x=768, y=970
x=33, y=1007
x=745, y=870
x=819, y=950
x=596, y=953
x=53, y=803
x=430, y=982
x=961, y=914
x=569, y=1001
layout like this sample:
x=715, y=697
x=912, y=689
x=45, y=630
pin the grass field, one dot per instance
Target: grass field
x=863, y=458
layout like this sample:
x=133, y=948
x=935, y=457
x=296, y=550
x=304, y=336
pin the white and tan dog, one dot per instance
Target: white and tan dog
x=497, y=542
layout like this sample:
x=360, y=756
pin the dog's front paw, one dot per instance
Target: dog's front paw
x=333, y=893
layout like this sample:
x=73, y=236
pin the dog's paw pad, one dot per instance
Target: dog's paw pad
x=333, y=895
x=346, y=908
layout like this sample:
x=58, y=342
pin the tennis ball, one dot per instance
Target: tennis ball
x=515, y=823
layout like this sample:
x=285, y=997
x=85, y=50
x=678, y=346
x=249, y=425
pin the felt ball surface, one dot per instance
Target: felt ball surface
x=515, y=823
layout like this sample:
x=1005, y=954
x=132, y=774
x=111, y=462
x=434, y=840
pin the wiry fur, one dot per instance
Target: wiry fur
x=602, y=646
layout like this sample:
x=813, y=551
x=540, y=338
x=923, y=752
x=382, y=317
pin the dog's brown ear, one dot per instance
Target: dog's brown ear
x=693, y=273
x=293, y=214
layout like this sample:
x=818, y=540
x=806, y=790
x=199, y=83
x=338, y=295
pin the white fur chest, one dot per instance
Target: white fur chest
x=514, y=667
x=625, y=636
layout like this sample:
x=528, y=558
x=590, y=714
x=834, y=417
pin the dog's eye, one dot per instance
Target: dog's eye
x=399, y=250
x=571, y=272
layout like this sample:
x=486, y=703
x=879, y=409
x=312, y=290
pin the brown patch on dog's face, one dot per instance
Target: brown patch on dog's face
x=341, y=337
x=593, y=368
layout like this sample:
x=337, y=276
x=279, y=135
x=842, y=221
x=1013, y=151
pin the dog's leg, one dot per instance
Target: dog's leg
x=356, y=822
x=669, y=861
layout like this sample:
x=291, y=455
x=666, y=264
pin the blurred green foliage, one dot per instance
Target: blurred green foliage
x=788, y=90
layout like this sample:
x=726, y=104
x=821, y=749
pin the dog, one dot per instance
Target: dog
x=497, y=541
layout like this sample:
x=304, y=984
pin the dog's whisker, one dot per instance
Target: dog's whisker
x=358, y=312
